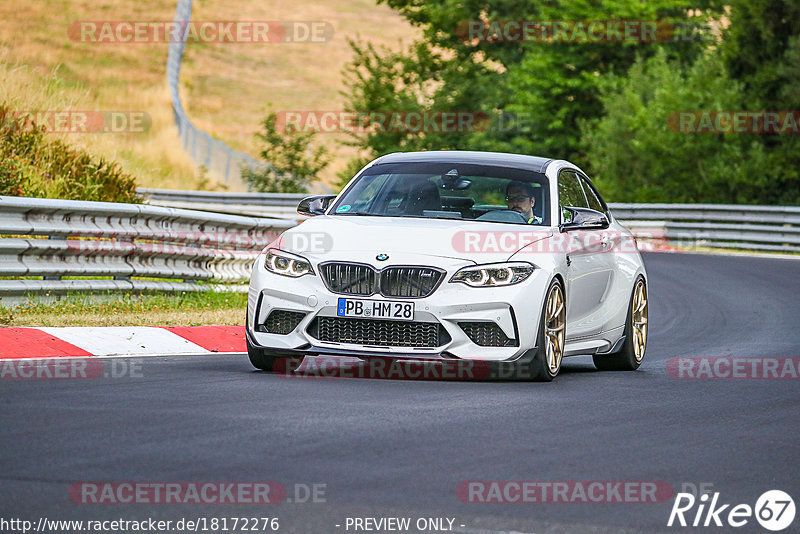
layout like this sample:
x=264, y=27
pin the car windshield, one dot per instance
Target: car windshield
x=448, y=191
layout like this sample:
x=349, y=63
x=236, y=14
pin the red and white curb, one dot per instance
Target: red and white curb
x=79, y=342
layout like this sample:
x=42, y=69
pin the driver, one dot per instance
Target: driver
x=520, y=198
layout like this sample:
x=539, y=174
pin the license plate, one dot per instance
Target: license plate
x=376, y=309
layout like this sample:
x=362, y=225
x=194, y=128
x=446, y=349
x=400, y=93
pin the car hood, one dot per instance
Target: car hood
x=407, y=240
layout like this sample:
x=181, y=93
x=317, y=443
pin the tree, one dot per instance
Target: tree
x=761, y=46
x=292, y=164
x=545, y=87
x=640, y=154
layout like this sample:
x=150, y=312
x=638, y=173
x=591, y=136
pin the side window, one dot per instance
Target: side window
x=594, y=201
x=570, y=193
x=364, y=191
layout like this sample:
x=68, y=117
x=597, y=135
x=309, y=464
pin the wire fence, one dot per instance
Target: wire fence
x=220, y=160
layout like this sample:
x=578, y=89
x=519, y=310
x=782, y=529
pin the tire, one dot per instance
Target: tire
x=552, y=332
x=267, y=362
x=630, y=356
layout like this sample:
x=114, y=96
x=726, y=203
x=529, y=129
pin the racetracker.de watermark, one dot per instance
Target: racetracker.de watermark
x=733, y=368
x=196, y=493
x=209, y=31
x=578, y=31
x=81, y=122
x=382, y=368
x=128, y=248
x=548, y=242
x=405, y=121
x=387, y=368
x=523, y=241
x=369, y=122
x=303, y=243
x=568, y=491
x=69, y=369
x=173, y=241
x=739, y=121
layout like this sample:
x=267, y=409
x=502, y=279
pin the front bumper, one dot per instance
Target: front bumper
x=514, y=309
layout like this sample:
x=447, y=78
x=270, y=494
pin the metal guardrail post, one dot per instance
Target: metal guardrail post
x=227, y=165
x=125, y=242
x=131, y=241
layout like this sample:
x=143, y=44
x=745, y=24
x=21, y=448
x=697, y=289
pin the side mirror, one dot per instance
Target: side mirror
x=583, y=219
x=316, y=205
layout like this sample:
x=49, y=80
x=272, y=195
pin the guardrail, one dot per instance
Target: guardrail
x=280, y=205
x=758, y=228
x=73, y=245
x=59, y=240
x=766, y=228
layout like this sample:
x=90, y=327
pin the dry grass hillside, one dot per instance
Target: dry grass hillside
x=227, y=88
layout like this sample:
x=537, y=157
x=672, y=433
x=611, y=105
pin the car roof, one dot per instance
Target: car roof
x=519, y=161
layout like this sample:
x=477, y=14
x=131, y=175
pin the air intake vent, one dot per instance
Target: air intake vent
x=486, y=334
x=376, y=332
x=281, y=322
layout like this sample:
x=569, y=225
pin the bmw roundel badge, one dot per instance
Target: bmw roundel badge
x=382, y=257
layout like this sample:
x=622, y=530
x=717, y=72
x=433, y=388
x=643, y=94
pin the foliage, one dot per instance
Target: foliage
x=118, y=309
x=33, y=165
x=548, y=87
x=294, y=165
x=640, y=154
x=761, y=47
x=345, y=175
x=604, y=105
x=6, y=315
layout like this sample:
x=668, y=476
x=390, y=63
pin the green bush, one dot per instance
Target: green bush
x=638, y=155
x=33, y=165
x=294, y=165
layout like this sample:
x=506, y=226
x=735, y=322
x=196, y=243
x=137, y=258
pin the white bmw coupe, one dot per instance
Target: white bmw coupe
x=480, y=257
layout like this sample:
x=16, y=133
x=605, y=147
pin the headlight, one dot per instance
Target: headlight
x=286, y=264
x=495, y=274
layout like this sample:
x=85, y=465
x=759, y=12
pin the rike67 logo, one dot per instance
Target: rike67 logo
x=774, y=510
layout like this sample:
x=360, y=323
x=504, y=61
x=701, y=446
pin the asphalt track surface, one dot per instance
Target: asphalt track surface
x=400, y=448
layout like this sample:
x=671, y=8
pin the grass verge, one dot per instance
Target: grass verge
x=33, y=165
x=196, y=308
x=227, y=88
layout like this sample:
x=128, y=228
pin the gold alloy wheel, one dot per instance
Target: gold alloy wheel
x=555, y=322
x=639, y=320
